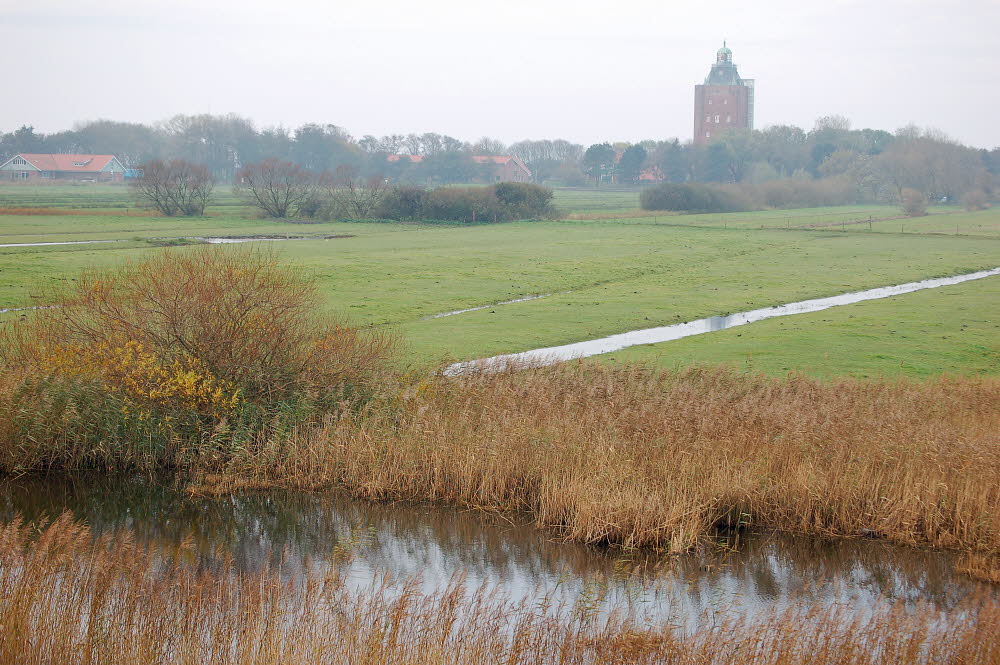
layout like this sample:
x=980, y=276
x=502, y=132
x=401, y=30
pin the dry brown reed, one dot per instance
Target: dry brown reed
x=67, y=599
x=636, y=458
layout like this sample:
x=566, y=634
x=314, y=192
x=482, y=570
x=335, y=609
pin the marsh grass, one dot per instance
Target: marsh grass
x=67, y=598
x=636, y=458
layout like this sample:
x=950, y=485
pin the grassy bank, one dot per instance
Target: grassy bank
x=65, y=599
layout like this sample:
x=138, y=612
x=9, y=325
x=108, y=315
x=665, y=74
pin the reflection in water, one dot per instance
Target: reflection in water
x=554, y=354
x=296, y=530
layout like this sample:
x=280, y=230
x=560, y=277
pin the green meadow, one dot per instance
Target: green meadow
x=598, y=277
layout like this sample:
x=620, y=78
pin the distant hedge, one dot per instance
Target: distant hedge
x=693, y=197
x=502, y=202
x=784, y=193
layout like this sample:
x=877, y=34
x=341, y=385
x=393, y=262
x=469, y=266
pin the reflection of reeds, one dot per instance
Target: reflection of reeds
x=65, y=598
x=631, y=458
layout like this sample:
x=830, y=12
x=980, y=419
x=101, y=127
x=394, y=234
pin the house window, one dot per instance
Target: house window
x=708, y=118
x=716, y=119
x=46, y=174
x=725, y=101
x=708, y=135
x=729, y=118
x=21, y=175
x=710, y=102
x=19, y=161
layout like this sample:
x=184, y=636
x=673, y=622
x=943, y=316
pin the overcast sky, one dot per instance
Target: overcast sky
x=515, y=69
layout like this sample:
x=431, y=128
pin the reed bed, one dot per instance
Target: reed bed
x=67, y=598
x=637, y=458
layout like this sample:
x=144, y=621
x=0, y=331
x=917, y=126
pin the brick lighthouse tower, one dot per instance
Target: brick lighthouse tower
x=724, y=101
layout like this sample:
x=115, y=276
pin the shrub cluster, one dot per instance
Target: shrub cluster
x=493, y=203
x=693, y=197
x=803, y=193
x=173, y=188
x=204, y=353
x=786, y=193
x=913, y=202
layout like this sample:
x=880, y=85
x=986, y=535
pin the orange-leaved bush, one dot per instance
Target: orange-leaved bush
x=186, y=353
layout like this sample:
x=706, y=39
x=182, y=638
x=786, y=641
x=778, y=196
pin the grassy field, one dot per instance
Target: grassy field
x=598, y=277
x=872, y=219
x=953, y=330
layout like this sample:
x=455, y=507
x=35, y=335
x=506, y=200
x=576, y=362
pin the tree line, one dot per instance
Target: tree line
x=872, y=164
x=281, y=189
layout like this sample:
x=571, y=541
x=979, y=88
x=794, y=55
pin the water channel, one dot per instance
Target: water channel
x=554, y=354
x=62, y=242
x=731, y=576
x=480, y=307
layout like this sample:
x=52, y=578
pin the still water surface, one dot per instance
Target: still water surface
x=296, y=531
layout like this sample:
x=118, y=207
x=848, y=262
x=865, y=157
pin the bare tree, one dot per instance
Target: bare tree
x=174, y=188
x=357, y=196
x=489, y=146
x=412, y=144
x=278, y=187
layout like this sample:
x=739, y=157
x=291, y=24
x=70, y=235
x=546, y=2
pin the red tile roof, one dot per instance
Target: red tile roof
x=479, y=159
x=75, y=163
x=414, y=159
x=501, y=159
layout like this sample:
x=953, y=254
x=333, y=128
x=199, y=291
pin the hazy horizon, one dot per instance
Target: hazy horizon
x=582, y=71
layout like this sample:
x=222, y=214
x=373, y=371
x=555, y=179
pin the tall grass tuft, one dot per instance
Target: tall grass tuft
x=186, y=356
x=66, y=599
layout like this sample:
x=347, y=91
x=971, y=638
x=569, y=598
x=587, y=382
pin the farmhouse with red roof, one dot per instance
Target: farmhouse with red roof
x=25, y=167
x=506, y=168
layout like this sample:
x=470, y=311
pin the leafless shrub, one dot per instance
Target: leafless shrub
x=174, y=188
x=357, y=197
x=278, y=188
